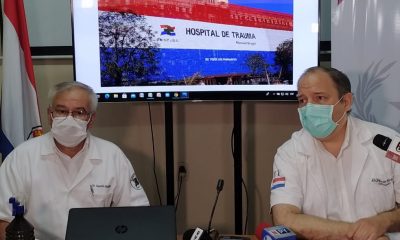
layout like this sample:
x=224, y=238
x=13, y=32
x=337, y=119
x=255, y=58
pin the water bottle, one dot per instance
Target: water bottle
x=19, y=228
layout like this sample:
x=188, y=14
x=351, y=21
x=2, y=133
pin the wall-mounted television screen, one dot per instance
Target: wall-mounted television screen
x=188, y=50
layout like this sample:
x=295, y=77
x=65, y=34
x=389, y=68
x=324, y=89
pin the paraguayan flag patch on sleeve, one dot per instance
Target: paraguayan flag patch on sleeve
x=278, y=182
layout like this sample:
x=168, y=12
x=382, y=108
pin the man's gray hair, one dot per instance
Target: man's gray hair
x=66, y=86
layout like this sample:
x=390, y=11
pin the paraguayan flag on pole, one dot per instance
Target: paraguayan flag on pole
x=20, y=117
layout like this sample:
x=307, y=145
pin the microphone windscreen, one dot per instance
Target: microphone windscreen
x=260, y=228
x=382, y=142
x=196, y=234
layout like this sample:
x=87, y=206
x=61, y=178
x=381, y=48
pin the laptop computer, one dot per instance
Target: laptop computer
x=122, y=223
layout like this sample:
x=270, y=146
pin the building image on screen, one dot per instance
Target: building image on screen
x=194, y=42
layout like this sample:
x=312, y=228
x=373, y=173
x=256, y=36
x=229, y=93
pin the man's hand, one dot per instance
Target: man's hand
x=3, y=225
x=308, y=226
x=368, y=229
x=383, y=238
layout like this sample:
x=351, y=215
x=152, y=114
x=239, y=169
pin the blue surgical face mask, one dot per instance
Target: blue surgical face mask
x=317, y=119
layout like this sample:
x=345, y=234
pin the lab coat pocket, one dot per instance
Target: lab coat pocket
x=102, y=200
x=382, y=192
x=92, y=199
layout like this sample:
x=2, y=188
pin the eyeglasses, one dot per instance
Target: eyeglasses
x=80, y=114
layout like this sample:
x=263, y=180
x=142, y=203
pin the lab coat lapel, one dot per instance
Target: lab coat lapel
x=90, y=162
x=87, y=167
x=359, y=152
x=316, y=172
x=359, y=158
x=307, y=147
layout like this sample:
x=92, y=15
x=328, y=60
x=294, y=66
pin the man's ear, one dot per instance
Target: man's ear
x=348, y=101
x=91, y=121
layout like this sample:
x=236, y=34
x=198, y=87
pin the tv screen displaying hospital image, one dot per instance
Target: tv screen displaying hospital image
x=193, y=49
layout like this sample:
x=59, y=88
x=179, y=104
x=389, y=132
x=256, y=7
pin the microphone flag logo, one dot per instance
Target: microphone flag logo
x=393, y=151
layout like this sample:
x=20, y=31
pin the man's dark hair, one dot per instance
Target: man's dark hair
x=340, y=79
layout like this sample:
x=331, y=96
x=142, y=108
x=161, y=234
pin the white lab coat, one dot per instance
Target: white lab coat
x=34, y=174
x=374, y=179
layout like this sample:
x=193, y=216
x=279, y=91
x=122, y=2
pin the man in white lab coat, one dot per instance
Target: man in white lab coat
x=330, y=181
x=67, y=167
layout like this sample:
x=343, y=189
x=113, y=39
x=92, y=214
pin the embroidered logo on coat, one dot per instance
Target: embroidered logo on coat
x=383, y=182
x=135, y=182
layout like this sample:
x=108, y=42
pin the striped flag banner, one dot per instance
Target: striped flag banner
x=20, y=117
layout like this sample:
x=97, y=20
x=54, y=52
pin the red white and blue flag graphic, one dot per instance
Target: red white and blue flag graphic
x=20, y=117
x=278, y=182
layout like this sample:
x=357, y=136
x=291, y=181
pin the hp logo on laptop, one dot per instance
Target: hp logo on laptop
x=121, y=229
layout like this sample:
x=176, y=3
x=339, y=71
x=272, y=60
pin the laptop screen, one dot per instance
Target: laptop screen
x=122, y=223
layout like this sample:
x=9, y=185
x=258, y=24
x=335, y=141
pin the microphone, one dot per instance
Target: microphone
x=392, y=147
x=277, y=233
x=220, y=186
x=382, y=142
x=198, y=233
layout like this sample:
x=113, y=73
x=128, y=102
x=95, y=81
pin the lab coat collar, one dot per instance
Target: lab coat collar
x=353, y=131
x=47, y=149
x=358, y=137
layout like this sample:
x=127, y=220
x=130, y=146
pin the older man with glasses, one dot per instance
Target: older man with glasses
x=67, y=167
